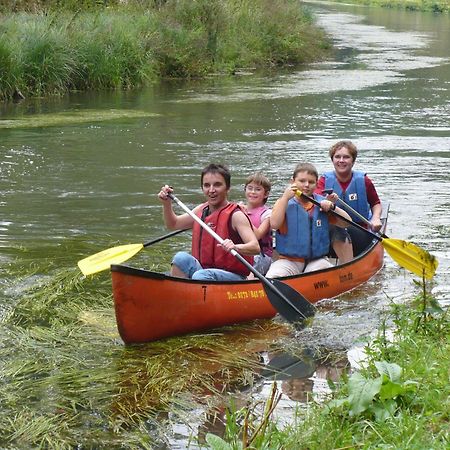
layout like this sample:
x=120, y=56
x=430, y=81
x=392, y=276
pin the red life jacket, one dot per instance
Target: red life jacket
x=206, y=249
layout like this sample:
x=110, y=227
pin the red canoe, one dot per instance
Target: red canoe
x=150, y=305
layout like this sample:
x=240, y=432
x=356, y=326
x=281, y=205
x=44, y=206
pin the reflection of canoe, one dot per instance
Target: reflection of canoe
x=151, y=305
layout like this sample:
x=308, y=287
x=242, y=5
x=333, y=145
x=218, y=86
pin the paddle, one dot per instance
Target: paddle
x=406, y=254
x=116, y=255
x=286, y=300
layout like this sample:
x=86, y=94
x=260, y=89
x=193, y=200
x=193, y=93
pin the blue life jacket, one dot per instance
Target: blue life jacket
x=355, y=195
x=307, y=236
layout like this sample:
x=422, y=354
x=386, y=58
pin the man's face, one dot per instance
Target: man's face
x=215, y=190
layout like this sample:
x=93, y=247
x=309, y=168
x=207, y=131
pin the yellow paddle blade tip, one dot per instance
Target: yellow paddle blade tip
x=411, y=257
x=103, y=260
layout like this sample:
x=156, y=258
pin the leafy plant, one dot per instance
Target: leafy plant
x=376, y=397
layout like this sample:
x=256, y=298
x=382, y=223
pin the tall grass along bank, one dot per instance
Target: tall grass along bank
x=53, y=52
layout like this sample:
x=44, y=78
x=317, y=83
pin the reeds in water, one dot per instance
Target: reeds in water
x=68, y=381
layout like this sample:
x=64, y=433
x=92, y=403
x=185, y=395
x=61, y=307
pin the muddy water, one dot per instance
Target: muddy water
x=70, y=191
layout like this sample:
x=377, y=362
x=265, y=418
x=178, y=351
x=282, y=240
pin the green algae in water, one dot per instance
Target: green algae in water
x=74, y=117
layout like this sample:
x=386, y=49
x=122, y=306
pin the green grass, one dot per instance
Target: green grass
x=399, y=399
x=56, y=51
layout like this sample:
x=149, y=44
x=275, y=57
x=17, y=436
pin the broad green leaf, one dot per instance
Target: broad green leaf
x=336, y=403
x=217, y=443
x=384, y=411
x=391, y=390
x=392, y=370
x=362, y=392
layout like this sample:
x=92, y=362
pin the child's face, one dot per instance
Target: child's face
x=305, y=182
x=255, y=194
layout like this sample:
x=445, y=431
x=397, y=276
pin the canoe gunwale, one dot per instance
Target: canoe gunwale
x=129, y=270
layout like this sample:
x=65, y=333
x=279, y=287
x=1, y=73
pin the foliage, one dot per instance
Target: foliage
x=376, y=398
x=398, y=399
x=53, y=51
x=245, y=429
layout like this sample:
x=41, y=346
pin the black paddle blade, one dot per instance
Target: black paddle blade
x=285, y=366
x=288, y=302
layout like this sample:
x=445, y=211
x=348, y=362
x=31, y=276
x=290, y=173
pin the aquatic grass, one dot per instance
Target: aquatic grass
x=73, y=117
x=10, y=75
x=49, y=62
x=111, y=53
x=74, y=383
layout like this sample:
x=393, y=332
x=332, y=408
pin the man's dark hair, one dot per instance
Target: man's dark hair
x=220, y=169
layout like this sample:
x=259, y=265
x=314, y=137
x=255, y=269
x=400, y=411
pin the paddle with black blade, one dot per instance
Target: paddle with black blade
x=286, y=300
x=116, y=255
x=406, y=254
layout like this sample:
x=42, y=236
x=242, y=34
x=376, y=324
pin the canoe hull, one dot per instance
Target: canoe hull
x=150, y=306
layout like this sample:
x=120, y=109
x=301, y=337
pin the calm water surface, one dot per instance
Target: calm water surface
x=71, y=191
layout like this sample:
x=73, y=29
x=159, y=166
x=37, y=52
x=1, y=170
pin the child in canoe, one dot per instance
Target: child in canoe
x=257, y=190
x=302, y=236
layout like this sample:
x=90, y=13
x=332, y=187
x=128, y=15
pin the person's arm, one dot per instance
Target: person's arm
x=171, y=220
x=264, y=228
x=375, y=204
x=375, y=220
x=279, y=209
x=327, y=205
x=241, y=224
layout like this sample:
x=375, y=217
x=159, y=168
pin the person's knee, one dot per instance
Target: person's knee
x=202, y=275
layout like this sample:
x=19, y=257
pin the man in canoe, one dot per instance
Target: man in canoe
x=302, y=228
x=210, y=260
x=355, y=189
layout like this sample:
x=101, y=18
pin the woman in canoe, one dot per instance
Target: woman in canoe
x=355, y=189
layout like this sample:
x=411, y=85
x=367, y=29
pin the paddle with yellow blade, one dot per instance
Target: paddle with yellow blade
x=116, y=255
x=406, y=254
x=285, y=299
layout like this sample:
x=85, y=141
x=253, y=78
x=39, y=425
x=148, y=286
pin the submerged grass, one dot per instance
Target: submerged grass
x=72, y=117
x=56, y=51
x=68, y=381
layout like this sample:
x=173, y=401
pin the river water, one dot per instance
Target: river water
x=71, y=190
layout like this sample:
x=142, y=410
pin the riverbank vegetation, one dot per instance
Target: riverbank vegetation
x=48, y=50
x=438, y=6
x=399, y=397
